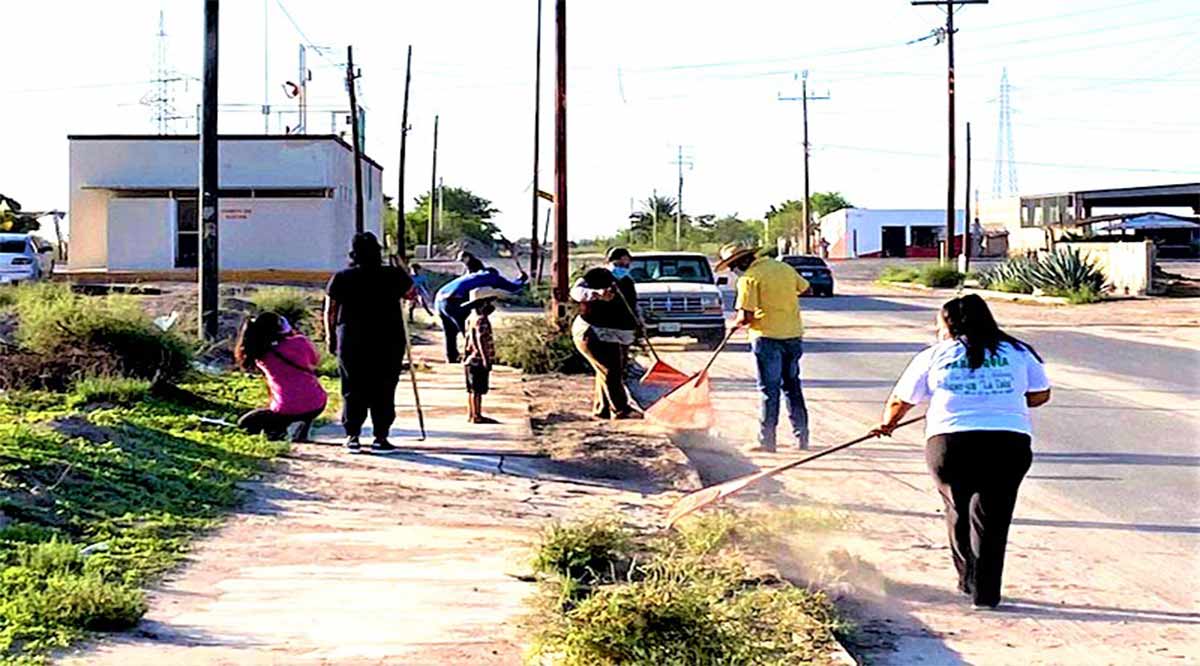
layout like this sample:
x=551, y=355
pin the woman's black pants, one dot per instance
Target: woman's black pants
x=275, y=425
x=368, y=385
x=978, y=473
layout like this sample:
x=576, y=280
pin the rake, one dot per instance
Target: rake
x=701, y=498
x=687, y=406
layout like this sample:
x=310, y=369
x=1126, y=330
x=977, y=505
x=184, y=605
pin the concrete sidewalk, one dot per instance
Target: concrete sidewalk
x=369, y=559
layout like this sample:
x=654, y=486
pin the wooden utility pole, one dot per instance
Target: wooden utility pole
x=209, y=180
x=401, y=230
x=679, y=197
x=561, y=260
x=950, y=165
x=654, y=220
x=534, y=248
x=966, y=234
x=351, y=77
x=806, y=220
x=432, y=195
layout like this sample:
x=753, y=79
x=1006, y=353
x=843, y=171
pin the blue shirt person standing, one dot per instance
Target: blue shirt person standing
x=451, y=297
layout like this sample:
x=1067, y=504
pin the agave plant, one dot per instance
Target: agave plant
x=1066, y=270
x=1013, y=275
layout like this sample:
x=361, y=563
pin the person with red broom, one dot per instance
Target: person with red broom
x=603, y=332
x=768, y=303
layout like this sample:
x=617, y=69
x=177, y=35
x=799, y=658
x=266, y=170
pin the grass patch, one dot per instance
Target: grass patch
x=940, y=276
x=99, y=503
x=114, y=390
x=689, y=598
x=1081, y=295
x=899, y=274
x=538, y=346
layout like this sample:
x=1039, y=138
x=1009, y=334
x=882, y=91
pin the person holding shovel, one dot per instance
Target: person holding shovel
x=602, y=332
x=768, y=303
x=980, y=384
x=364, y=326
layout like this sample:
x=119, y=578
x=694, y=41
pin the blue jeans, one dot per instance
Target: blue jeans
x=778, y=364
x=454, y=323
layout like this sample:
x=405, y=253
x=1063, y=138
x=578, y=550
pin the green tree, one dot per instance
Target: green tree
x=783, y=220
x=12, y=220
x=824, y=203
x=641, y=223
x=463, y=214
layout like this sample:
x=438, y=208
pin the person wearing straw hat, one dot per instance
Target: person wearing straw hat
x=602, y=332
x=480, y=349
x=768, y=303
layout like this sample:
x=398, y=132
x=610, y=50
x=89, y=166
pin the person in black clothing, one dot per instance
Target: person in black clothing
x=604, y=331
x=364, y=321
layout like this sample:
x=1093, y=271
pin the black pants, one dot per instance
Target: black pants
x=454, y=323
x=368, y=387
x=978, y=474
x=275, y=425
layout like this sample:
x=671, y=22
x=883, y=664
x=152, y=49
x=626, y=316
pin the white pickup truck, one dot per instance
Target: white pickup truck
x=678, y=296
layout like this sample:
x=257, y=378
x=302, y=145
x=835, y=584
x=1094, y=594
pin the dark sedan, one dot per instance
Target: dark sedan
x=813, y=269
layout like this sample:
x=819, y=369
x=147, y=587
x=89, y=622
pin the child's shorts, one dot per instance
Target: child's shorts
x=477, y=378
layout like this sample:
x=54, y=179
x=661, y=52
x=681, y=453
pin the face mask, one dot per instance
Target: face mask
x=619, y=272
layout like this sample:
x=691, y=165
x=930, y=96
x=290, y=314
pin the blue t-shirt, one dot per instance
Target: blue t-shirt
x=990, y=397
x=460, y=287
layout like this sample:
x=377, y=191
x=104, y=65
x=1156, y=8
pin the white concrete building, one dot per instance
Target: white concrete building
x=286, y=203
x=865, y=232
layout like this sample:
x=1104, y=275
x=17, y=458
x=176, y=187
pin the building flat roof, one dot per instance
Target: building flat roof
x=1167, y=196
x=223, y=137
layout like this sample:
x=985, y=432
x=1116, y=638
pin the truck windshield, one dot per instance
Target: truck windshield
x=12, y=247
x=671, y=269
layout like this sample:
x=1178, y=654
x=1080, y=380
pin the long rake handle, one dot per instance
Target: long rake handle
x=412, y=371
x=720, y=348
x=641, y=326
x=839, y=447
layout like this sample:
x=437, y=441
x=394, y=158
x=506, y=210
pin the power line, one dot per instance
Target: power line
x=1057, y=165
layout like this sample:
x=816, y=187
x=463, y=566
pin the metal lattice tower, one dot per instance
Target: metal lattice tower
x=161, y=99
x=1004, y=146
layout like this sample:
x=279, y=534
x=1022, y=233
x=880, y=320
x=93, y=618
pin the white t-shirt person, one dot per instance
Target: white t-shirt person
x=990, y=397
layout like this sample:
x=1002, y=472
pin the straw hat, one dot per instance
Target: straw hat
x=479, y=296
x=730, y=253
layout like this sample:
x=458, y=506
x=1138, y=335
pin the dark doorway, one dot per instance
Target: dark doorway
x=187, y=233
x=894, y=243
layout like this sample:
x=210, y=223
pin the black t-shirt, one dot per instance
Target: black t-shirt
x=370, y=302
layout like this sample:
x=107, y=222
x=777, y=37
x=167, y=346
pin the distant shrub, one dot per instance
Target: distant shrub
x=1063, y=273
x=899, y=274
x=584, y=551
x=295, y=305
x=939, y=275
x=537, y=346
x=57, y=323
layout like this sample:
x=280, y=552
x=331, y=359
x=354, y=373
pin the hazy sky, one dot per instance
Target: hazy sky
x=1104, y=93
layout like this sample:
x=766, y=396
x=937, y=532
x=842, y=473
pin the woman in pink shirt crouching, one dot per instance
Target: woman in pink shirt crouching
x=289, y=362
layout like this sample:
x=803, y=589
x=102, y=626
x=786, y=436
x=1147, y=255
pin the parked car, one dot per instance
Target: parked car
x=815, y=270
x=678, y=296
x=25, y=258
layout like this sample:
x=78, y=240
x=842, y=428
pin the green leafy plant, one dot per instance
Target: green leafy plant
x=295, y=305
x=940, y=275
x=1067, y=270
x=109, y=389
x=899, y=274
x=538, y=346
x=584, y=551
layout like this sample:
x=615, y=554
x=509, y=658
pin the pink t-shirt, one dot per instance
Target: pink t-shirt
x=294, y=390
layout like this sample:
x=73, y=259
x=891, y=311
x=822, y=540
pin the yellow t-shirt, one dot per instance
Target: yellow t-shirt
x=771, y=290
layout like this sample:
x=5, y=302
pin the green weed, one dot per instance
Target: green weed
x=537, y=346
x=939, y=275
x=296, y=305
x=584, y=551
x=113, y=390
x=899, y=274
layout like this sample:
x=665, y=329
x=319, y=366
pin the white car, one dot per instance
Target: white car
x=25, y=258
x=677, y=296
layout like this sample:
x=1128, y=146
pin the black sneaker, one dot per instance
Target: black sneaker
x=352, y=444
x=382, y=446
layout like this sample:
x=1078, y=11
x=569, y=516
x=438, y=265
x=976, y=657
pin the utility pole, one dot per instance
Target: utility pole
x=209, y=179
x=806, y=221
x=966, y=235
x=679, y=197
x=401, y=231
x=561, y=260
x=351, y=77
x=441, y=215
x=266, y=107
x=534, y=248
x=950, y=166
x=654, y=220
x=432, y=192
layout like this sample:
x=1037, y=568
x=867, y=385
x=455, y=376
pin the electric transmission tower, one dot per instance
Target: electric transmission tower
x=161, y=98
x=1004, y=146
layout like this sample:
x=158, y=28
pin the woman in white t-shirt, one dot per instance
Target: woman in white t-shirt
x=980, y=384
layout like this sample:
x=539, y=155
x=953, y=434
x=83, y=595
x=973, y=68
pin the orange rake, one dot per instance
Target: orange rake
x=660, y=375
x=689, y=405
x=701, y=498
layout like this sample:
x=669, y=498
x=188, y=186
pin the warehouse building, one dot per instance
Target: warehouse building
x=286, y=204
x=851, y=233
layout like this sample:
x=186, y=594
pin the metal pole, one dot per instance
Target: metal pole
x=209, y=180
x=545, y=242
x=966, y=234
x=654, y=220
x=534, y=248
x=441, y=213
x=950, y=175
x=266, y=109
x=679, y=198
x=358, y=189
x=805, y=245
x=432, y=191
x=401, y=227
x=561, y=261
